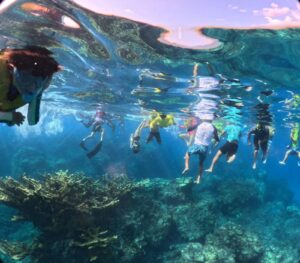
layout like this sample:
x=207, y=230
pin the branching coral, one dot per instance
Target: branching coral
x=114, y=220
x=15, y=250
x=65, y=207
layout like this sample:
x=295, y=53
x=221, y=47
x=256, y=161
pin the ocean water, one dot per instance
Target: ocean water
x=124, y=207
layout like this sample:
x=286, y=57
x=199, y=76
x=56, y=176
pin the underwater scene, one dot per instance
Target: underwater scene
x=124, y=140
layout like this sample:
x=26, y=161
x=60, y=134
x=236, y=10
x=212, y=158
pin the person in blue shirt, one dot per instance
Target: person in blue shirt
x=230, y=148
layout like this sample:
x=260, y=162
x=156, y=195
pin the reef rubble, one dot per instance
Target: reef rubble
x=115, y=219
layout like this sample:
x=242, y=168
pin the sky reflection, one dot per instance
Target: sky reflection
x=183, y=19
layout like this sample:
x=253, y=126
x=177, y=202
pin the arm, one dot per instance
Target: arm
x=139, y=129
x=88, y=123
x=12, y=118
x=249, y=135
x=260, y=99
x=191, y=139
x=6, y=116
x=185, y=137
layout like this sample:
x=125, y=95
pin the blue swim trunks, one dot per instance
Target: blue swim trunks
x=198, y=149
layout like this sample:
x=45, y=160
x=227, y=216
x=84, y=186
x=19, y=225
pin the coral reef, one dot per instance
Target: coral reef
x=67, y=210
x=231, y=220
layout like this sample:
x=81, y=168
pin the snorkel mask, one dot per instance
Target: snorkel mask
x=29, y=86
x=31, y=89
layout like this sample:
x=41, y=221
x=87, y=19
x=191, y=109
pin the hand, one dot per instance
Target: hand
x=18, y=118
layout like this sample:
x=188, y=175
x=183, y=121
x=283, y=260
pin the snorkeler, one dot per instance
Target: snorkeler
x=24, y=75
x=230, y=148
x=293, y=148
x=190, y=125
x=262, y=134
x=135, y=138
x=205, y=132
x=159, y=120
x=96, y=123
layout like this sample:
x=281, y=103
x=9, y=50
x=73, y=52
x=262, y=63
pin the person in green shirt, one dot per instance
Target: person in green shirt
x=293, y=148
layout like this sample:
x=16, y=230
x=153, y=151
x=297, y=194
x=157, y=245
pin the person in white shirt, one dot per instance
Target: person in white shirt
x=202, y=139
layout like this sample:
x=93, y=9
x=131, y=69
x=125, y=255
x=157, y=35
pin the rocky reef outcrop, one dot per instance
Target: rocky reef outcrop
x=114, y=219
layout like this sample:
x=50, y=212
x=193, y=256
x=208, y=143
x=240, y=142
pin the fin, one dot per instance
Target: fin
x=93, y=152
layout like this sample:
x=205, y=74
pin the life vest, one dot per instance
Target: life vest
x=162, y=122
x=5, y=103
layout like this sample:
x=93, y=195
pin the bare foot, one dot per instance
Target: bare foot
x=209, y=170
x=282, y=162
x=254, y=166
x=184, y=172
x=264, y=161
x=198, y=180
x=231, y=158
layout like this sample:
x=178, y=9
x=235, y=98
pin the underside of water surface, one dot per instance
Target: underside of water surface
x=73, y=192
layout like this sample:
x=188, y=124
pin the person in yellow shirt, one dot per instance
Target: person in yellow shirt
x=24, y=75
x=159, y=120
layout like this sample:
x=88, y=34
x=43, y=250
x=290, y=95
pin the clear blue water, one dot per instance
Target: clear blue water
x=103, y=64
